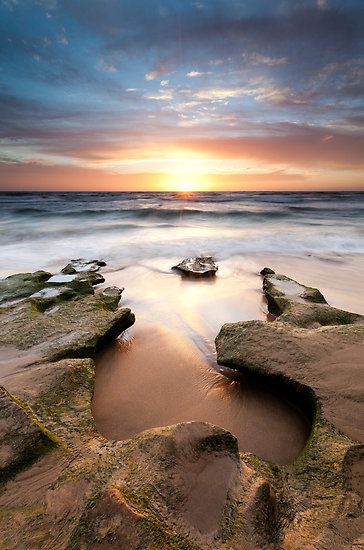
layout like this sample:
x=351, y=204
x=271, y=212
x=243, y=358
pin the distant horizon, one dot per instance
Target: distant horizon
x=182, y=193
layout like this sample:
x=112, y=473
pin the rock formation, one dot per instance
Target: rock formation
x=317, y=351
x=186, y=486
x=197, y=267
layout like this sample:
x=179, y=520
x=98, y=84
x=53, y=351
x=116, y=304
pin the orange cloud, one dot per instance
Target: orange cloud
x=35, y=177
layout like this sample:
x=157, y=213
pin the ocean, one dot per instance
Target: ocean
x=46, y=229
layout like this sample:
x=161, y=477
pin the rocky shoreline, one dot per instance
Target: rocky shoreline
x=185, y=486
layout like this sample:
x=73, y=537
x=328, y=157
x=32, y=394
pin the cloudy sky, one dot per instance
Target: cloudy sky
x=171, y=94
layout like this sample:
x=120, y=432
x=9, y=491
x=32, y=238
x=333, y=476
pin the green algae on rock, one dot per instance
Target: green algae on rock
x=49, y=448
x=316, y=352
x=180, y=487
x=64, y=318
x=301, y=305
x=184, y=486
x=22, y=437
x=21, y=285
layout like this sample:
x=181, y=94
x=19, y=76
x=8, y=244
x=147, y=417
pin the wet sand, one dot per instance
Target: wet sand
x=161, y=378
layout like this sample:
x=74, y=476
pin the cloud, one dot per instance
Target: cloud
x=193, y=74
x=106, y=67
x=152, y=75
x=220, y=93
x=259, y=59
x=278, y=83
x=307, y=148
x=162, y=95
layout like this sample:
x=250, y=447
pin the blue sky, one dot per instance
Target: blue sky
x=139, y=94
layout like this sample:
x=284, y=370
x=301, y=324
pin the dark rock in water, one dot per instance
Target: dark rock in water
x=80, y=265
x=203, y=265
x=21, y=285
x=267, y=271
x=111, y=296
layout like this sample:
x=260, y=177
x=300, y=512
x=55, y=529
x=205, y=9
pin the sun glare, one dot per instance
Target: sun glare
x=186, y=182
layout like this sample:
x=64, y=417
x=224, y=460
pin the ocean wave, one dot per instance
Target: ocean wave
x=160, y=213
x=135, y=226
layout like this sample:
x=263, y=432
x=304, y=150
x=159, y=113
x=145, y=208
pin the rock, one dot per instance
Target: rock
x=200, y=266
x=22, y=438
x=267, y=271
x=184, y=486
x=91, y=277
x=48, y=297
x=80, y=266
x=179, y=487
x=111, y=296
x=51, y=457
x=61, y=279
x=21, y=285
x=316, y=366
x=302, y=305
x=78, y=328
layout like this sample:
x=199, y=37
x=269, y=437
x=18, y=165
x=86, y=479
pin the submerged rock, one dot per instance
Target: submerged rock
x=203, y=265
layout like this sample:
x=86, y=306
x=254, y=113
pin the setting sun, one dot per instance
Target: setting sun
x=186, y=182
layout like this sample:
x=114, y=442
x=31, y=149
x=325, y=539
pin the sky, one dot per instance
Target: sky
x=181, y=95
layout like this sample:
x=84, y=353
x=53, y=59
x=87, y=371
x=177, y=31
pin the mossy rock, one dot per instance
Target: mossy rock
x=23, y=438
x=22, y=285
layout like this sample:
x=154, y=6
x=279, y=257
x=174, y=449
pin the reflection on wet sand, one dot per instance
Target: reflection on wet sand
x=161, y=378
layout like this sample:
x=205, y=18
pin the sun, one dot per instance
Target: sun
x=185, y=182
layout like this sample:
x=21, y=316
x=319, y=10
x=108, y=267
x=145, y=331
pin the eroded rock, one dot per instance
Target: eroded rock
x=21, y=285
x=22, y=438
x=49, y=448
x=111, y=296
x=200, y=266
x=80, y=265
x=301, y=305
x=182, y=486
x=324, y=365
